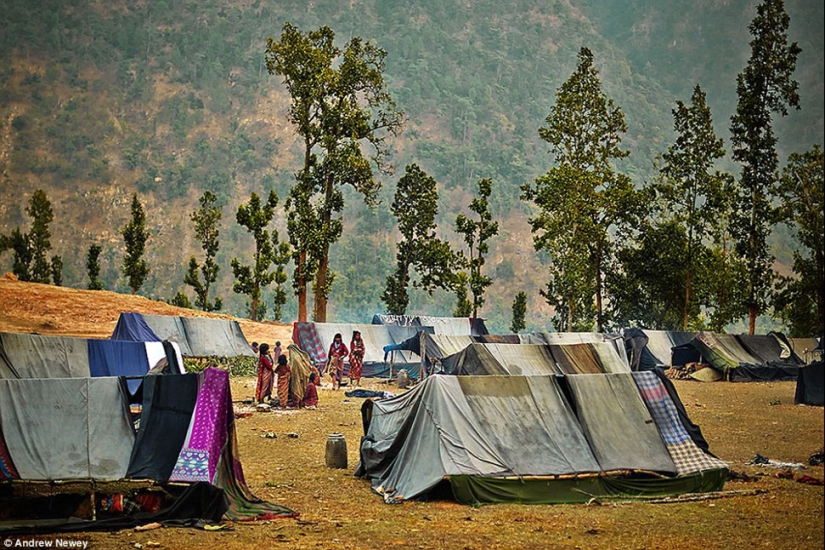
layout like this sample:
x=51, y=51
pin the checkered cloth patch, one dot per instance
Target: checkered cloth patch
x=306, y=337
x=687, y=457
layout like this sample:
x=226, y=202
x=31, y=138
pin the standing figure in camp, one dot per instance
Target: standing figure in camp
x=283, y=371
x=276, y=353
x=356, y=358
x=335, y=359
x=263, y=390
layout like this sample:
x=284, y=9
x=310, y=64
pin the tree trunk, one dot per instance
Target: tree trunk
x=752, y=319
x=302, y=287
x=320, y=315
x=686, y=318
x=256, y=292
x=599, y=318
x=323, y=261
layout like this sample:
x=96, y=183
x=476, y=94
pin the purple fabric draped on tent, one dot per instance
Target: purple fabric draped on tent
x=201, y=453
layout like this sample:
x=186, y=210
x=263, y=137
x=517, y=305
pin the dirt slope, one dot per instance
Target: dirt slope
x=47, y=309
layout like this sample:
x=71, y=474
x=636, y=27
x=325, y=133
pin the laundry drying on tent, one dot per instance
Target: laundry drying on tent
x=81, y=429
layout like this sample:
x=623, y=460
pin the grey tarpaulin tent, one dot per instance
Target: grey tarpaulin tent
x=196, y=336
x=519, y=439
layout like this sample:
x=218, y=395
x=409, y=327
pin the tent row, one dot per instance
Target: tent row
x=454, y=326
x=535, y=439
x=82, y=429
x=735, y=357
x=32, y=356
x=196, y=336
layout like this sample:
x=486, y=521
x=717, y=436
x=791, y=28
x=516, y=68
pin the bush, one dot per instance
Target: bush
x=237, y=366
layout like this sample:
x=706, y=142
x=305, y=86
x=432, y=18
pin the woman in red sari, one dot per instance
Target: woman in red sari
x=263, y=390
x=335, y=360
x=283, y=371
x=356, y=358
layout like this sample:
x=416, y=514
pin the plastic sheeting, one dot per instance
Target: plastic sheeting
x=452, y=326
x=132, y=327
x=810, y=385
x=36, y=356
x=76, y=428
x=112, y=358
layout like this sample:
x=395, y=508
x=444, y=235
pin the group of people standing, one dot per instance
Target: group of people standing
x=335, y=359
x=272, y=363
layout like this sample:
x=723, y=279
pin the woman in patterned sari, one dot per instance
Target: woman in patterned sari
x=283, y=372
x=263, y=390
x=356, y=358
x=335, y=360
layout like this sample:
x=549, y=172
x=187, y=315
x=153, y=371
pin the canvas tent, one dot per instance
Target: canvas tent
x=532, y=359
x=315, y=339
x=658, y=350
x=521, y=439
x=81, y=429
x=452, y=326
x=38, y=356
x=742, y=358
x=566, y=338
x=196, y=336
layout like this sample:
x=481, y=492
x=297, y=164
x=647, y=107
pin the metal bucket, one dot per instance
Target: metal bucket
x=336, y=452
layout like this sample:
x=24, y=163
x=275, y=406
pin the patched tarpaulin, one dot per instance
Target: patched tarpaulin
x=62, y=428
x=618, y=425
x=37, y=356
x=479, y=426
x=501, y=359
x=566, y=338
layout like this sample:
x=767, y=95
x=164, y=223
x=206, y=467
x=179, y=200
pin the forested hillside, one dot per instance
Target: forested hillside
x=102, y=99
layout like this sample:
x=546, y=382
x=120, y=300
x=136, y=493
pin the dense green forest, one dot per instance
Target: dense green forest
x=100, y=100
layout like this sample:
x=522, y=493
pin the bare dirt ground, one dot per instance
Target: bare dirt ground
x=339, y=511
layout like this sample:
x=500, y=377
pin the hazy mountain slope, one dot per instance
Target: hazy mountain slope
x=98, y=100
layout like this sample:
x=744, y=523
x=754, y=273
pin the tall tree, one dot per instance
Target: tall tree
x=18, y=243
x=801, y=299
x=476, y=233
x=206, y=220
x=765, y=88
x=93, y=267
x=581, y=198
x=688, y=185
x=415, y=205
x=519, y=313
x=56, y=268
x=341, y=108
x=256, y=216
x=41, y=214
x=281, y=253
x=135, y=236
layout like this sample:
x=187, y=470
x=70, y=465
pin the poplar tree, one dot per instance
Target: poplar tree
x=93, y=267
x=135, y=236
x=581, y=198
x=206, y=220
x=256, y=216
x=476, y=233
x=519, y=313
x=801, y=299
x=765, y=87
x=415, y=205
x=41, y=214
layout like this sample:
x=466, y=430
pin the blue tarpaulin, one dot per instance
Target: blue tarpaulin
x=117, y=358
x=132, y=327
